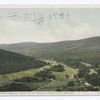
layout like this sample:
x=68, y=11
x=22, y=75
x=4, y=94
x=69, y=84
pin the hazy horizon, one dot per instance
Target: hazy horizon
x=47, y=42
x=46, y=25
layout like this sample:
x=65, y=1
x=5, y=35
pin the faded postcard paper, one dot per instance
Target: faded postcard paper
x=50, y=50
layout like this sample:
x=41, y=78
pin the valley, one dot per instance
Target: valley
x=59, y=66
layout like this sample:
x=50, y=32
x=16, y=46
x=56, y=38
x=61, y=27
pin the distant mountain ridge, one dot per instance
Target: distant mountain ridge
x=84, y=49
x=24, y=47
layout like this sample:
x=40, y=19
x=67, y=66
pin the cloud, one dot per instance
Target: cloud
x=21, y=31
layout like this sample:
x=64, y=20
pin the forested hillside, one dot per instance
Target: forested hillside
x=13, y=62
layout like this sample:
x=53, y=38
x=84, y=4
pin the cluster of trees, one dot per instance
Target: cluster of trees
x=29, y=79
x=83, y=71
x=77, y=85
x=93, y=79
x=15, y=87
x=57, y=68
x=45, y=74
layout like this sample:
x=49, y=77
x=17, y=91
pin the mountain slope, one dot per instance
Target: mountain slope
x=13, y=62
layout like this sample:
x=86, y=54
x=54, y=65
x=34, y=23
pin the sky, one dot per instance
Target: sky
x=48, y=24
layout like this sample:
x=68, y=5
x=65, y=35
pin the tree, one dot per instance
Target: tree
x=67, y=76
x=83, y=71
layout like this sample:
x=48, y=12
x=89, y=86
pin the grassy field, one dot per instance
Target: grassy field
x=5, y=78
x=62, y=75
x=52, y=86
